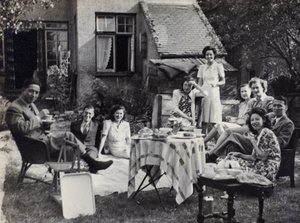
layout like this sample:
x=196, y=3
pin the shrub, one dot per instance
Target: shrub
x=4, y=103
x=135, y=99
x=58, y=87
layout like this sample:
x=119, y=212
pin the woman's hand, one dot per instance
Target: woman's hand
x=236, y=154
x=193, y=83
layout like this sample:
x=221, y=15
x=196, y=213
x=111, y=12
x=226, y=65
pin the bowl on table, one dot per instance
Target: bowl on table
x=165, y=130
x=188, y=128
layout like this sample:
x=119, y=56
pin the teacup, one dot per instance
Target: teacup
x=198, y=132
x=48, y=117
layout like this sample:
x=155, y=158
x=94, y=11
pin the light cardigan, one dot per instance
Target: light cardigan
x=177, y=96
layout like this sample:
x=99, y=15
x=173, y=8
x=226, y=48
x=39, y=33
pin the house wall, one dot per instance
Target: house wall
x=86, y=42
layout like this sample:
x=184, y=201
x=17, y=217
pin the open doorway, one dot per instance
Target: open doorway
x=25, y=56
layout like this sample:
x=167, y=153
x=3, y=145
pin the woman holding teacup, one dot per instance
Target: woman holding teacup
x=265, y=157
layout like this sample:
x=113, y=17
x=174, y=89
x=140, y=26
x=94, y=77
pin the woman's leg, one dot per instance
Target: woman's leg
x=221, y=140
x=212, y=134
x=204, y=128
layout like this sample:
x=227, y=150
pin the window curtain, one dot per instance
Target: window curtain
x=104, y=46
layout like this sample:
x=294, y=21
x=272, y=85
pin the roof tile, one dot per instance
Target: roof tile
x=180, y=29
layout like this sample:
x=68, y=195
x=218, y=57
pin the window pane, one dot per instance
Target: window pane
x=105, y=53
x=62, y=35
x=121, y=28
x=56, y=40
x=121, y=20
x=51, y=36
x=56, y=25
x=106, y=24
x=125, y=24
x=63, y=46
x=129, y=20
x=129, y=28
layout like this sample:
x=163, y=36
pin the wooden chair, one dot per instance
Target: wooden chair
x=33, y=151
x=287, y=164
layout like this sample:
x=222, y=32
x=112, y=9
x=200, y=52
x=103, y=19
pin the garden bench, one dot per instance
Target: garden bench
x=231, y=186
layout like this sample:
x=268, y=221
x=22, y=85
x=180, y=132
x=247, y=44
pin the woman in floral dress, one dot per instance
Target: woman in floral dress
x=183, y=101
x=265, y=158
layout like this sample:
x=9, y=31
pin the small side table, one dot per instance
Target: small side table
x=231, y=186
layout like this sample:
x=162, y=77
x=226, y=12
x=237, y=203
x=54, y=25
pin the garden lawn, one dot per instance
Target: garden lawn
x=31, y=202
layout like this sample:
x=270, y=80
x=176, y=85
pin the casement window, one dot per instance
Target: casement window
x=56, y=35
x=115, y=44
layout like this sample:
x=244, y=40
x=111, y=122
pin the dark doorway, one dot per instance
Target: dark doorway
x=25, y=56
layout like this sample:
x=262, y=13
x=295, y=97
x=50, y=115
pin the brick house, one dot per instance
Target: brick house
x=114, y=41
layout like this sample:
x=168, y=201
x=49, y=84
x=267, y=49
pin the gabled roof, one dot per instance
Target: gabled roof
x=180, y=30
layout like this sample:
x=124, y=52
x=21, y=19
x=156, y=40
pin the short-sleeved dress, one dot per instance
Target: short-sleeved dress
x=116, y=137
x=267, y=142
x=185, y=103
x=211, y=104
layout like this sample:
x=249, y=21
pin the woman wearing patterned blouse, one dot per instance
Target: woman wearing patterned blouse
x=183, y=101
x=211, y=76
x=266, y=156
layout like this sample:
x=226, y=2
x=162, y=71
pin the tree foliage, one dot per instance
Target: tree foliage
x=267, y=28
x=11, y=10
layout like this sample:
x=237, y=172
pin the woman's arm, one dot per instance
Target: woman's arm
x=128, y=135
x=221, y=75
x=175, y=100
x=260, y=154
x=102, y=143
x=202, y=92
x=104, y=133
x=243, y=156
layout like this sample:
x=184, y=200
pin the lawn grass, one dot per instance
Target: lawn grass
x=32, y=203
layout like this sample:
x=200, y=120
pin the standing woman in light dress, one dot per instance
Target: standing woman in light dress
x=211, y=76
x=116, y=135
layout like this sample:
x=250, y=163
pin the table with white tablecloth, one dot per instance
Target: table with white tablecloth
x=181, y=159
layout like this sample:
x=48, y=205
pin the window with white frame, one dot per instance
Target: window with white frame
x=115, y=43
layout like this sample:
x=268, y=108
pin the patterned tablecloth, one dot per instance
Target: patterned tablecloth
x=181, y=159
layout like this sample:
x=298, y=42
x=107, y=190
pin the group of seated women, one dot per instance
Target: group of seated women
x=252, y=122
